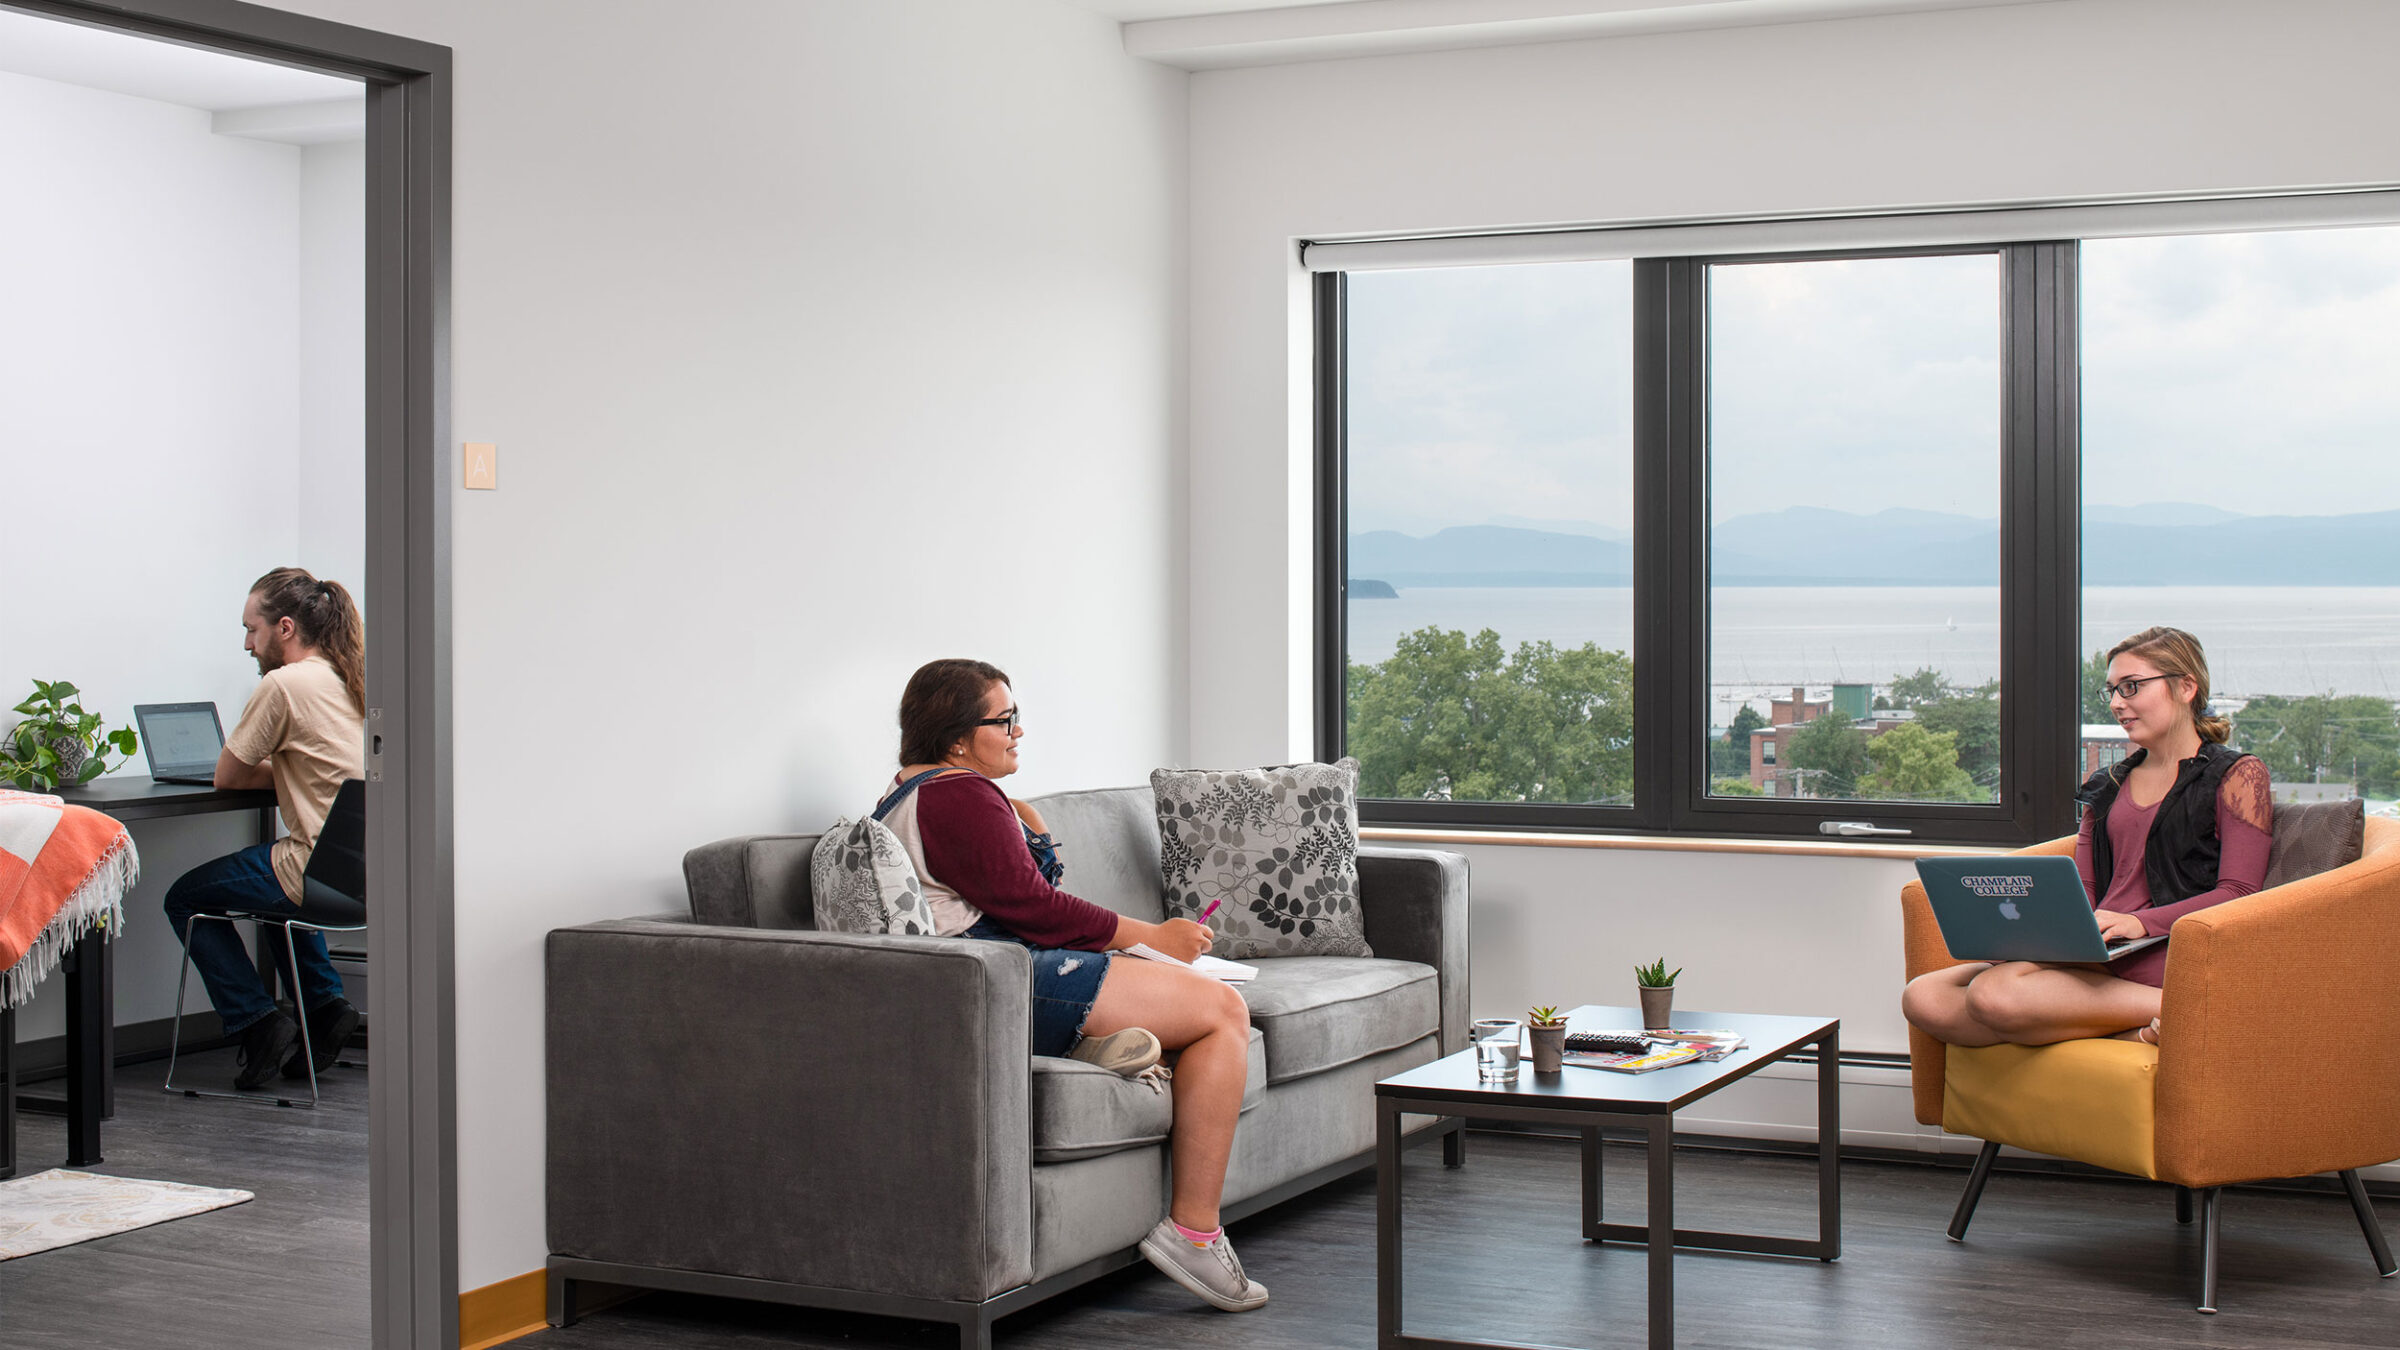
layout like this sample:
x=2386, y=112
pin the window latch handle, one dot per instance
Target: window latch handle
x=1852, y=829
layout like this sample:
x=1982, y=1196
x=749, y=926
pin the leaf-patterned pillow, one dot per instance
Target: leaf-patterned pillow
x=863, y=882
x=1278, y=846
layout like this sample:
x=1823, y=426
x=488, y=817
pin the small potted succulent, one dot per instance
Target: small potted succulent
x=1548, y=1032
x=59, y=744
x=1658, y=994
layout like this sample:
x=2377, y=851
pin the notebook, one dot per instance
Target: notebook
x=181, y=741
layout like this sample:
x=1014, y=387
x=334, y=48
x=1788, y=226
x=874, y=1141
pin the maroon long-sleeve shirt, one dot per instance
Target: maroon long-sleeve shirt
x=2245, y=808
x=975, y=845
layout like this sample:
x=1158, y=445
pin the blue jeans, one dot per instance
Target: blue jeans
x=1065, y=985
x=244, y=883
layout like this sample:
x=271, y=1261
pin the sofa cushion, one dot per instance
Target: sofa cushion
x=1083, y=1111
x=2090, y=1100
x=1321, y=1012
x=2313, y=837
x=1108, y=839
x=1274, y=852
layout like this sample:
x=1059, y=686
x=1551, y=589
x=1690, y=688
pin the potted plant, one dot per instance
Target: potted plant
x=59, y=743
x=1658, y=994
x=1548, y=1031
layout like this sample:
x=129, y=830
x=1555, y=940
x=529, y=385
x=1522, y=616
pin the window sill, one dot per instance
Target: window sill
x=1896, y=851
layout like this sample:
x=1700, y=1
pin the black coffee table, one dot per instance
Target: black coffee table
x=1586, y=1100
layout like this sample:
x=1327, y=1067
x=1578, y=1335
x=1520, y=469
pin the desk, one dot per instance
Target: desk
x=90, y=975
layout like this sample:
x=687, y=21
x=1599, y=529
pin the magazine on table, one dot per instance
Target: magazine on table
x=1640, y=1051
x=1631, y=1061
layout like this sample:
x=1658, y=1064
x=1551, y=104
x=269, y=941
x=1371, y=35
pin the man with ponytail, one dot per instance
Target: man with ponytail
x=302, y=732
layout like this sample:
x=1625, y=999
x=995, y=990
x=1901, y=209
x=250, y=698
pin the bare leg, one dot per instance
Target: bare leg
x=1209, y=1023
x=1936, y=1003
x=2029, y=1004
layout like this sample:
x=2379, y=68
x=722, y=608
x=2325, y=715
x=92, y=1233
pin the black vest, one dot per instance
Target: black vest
x=2181, y=857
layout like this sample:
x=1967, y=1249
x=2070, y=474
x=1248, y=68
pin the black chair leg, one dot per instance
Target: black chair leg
x=2208, y=1247
x=2367, y=1224
x=1975, y=1180
x=2183, y=1204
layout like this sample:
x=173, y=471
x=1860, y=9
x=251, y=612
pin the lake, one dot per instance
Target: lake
x=2260, y=639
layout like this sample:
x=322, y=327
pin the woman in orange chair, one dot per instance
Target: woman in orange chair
x=2181, y=823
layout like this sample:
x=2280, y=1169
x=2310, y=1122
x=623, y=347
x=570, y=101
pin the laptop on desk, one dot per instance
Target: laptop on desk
x=2017, y=907
x=181, y=741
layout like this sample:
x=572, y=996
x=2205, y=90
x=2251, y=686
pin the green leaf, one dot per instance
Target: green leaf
x=29, y=706
x=62, y=689
x=92, y=768
x=124, y=739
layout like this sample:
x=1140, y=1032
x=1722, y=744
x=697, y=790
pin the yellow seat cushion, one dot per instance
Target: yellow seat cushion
x=2086, y=1100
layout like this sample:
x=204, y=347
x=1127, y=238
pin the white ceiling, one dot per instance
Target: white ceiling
x=98, y=58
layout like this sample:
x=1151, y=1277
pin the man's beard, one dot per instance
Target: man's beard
x=269, y=658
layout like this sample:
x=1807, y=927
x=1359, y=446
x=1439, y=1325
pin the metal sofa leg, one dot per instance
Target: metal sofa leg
x=2208, y=1247
x=561, y=1311
x=2183, y=1204
x=2368, y=1225
x=1975, y=1180
x=975, y=1331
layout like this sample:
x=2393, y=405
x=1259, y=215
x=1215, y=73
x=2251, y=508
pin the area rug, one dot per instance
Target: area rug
x=59, y=1208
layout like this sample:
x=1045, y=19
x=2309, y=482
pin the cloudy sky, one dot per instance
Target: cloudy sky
x=2249, y=372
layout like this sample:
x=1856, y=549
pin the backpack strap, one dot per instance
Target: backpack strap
x=900, y=793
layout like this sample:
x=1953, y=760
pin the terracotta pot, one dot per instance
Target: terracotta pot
x=1658, y=1007
x=1549, y=1042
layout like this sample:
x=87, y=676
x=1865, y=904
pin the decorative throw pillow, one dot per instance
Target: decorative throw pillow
x=863, y=882
x=1278, y=846
x=2315, y=837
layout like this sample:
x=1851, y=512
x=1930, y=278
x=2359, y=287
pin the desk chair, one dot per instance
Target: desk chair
x=2226, y=1097
x=334, y=901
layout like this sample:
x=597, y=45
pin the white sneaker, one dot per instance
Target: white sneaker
x=1126, y=1052
x=1213, y=1272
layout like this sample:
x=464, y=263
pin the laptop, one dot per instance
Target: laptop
x=181, y=741
x=2013, y=907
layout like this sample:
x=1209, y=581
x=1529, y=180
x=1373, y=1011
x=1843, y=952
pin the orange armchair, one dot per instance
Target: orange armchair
x=2220, y=1101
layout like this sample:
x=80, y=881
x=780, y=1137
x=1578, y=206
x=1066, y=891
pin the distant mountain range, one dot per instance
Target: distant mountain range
x=2157, y=545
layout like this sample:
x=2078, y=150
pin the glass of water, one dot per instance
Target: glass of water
x=1496, y=1050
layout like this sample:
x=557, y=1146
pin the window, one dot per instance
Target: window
x=2240, y=416
x=1486, y=636
x=1864, y=493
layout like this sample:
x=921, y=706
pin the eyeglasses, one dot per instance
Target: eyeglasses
x=2129, y=686
x=1007, y=720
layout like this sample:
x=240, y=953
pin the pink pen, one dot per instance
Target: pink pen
x=1212, y=908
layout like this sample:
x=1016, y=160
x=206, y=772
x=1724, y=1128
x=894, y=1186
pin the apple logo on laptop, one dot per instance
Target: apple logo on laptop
x=2008, y=909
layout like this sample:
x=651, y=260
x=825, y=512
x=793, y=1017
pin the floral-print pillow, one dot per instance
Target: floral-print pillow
x=1278, y=846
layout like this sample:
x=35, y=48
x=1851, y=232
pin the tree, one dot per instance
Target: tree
x=2345, y=737
x=2095, y=702
x=1735, y=787
x=1730, y=757
x=1971, y=718
x=1458, y=717
x=1915, y=691
x=1914, y=764
x=1828, y=756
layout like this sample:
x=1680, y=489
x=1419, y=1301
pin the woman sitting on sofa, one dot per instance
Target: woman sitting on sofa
x=974, y=851
x=2179, y=824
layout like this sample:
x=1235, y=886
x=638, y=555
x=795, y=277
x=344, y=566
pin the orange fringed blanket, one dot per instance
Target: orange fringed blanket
x=64, y=871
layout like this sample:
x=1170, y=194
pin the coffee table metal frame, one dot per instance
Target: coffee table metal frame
x=1587, y=1100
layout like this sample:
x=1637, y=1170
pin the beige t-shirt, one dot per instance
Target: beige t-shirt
x=301, y=723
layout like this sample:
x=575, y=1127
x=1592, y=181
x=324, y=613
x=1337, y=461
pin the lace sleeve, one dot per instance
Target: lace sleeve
x=2246, y=796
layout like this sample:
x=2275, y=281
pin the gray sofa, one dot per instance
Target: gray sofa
x=741, y=1106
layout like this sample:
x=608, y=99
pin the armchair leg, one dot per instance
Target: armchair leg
x=1975, y=1180
x=2208, y=1247
x=2183, y=1204
x=2367, y=1224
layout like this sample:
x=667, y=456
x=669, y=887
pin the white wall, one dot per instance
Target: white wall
x=2092, y=98
x=149, y=369
x=332, y=471
x=818, y=339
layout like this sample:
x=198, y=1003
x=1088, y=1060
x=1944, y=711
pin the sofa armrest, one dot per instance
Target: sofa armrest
x=1415, y=902
x=1924, y=952
x=2279, y=1047
x=823, y=1109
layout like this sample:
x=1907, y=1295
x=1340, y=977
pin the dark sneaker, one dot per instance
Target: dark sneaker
x=1128, y=1052
x=329, y=1029
x=1213, y=1272
x=264, y=1045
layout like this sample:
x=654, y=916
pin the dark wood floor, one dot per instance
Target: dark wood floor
x=287, y=1269
x=2050, y=1261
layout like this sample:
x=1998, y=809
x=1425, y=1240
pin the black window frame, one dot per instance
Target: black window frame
x=2040, y=576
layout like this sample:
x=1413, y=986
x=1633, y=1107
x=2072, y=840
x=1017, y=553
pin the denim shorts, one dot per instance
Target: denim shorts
x=1065, y=984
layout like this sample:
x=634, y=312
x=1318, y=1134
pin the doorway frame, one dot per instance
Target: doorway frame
x=411, y=1109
